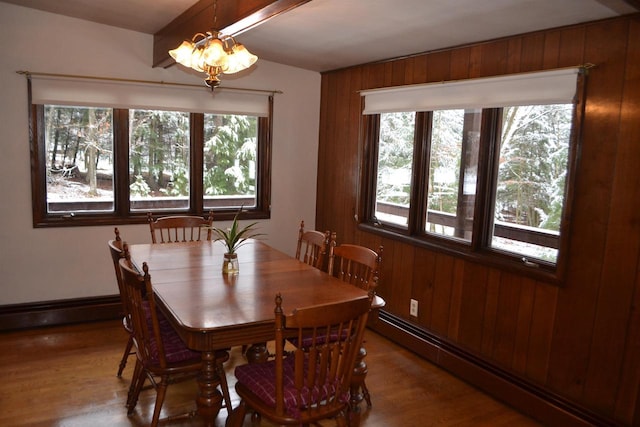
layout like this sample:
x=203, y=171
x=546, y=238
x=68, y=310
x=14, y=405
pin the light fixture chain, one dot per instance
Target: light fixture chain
x=215, y=15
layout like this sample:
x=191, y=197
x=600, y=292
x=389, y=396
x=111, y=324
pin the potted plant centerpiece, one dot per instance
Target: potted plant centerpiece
x=233, y=238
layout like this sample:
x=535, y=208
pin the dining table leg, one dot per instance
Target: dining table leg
x=209, y=400
x=257, y=353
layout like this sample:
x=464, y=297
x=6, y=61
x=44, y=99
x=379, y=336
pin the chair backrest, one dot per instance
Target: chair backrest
x=144, y=316
x=115, y=248
x=321, y=370
x=312, y=247
x=355, y=264
x=180, y=228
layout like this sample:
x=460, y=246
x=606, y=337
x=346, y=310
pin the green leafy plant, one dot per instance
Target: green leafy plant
x=234, y=237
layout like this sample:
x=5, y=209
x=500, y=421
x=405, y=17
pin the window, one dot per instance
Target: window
x=471, y=170
x=395, y=158
x=453, y=170
x=79, y=159
x=159, y=160
x=531, y=180
x=230, y=156
x=112, y=164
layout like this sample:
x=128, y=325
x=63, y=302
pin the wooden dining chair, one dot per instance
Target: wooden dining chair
x=161, y=356
x=312, y=250
x=355, y=264
x=115, y=248
x=309, y=384
x=180, y=228
x=359, y=266
x=312, y=247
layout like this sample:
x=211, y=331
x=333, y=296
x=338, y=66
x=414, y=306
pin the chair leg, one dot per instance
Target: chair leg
x=342, y=420
x=137, y=381
x=224, y=386
x=236, y=418
x=125, y=356
x=353, y=418
x=359, y=390
x=256, y=418
x=161, y=391
x=365, y=393
x=134, y=379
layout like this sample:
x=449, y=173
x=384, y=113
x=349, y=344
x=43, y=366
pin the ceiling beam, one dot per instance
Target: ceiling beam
x=233, y=17
x=634, y=3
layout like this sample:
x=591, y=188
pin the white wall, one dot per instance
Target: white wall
x=72, y=262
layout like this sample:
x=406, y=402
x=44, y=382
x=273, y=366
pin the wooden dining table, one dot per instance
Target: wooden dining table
x=213, y=311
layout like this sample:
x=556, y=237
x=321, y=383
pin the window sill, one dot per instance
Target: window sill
x=502, y=262
x=103, y=219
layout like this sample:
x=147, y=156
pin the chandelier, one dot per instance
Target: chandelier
x=213, y=53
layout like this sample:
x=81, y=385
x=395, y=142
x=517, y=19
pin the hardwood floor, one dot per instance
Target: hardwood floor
x=66, y=376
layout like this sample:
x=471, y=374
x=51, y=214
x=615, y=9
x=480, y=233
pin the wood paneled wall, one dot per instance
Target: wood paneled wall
x=579, y=340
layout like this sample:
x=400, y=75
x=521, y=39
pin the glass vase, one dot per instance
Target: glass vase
x=230, y=264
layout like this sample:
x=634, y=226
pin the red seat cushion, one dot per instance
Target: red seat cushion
x=175, y=350
x=260, y=379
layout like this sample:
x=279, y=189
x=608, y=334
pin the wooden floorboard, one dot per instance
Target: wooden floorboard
x=65, y=376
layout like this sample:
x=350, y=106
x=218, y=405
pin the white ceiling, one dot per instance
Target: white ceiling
x=324, y=35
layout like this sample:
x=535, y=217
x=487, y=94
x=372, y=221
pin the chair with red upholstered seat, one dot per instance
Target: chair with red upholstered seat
x=309, y=384
x=355, y=264
x=180, y=228
x=312, y=247
x=162, y=357
x=115, y=248
x=359, y=266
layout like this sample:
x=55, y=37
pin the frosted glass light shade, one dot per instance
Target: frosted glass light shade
x=214, y=53
x=182, y=54
x=240, y=59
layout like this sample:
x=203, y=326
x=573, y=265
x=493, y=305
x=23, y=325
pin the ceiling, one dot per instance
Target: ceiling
x=324, y=35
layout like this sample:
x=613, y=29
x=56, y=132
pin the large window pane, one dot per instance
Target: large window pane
x=530, y=191
x=79, y=159
x=230, y=155
x=395, y=158
x=96, y=165
x=453, y=172
x=158, y=160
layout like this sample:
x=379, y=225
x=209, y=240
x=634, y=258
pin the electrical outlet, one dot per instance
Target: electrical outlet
x=413, y=308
